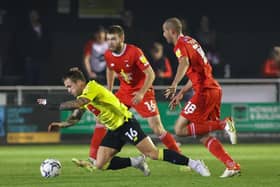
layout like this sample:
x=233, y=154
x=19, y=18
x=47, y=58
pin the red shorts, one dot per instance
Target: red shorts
x=146, y=108
x=203, y=106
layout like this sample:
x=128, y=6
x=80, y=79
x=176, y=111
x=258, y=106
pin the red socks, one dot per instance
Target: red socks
x=205, y=127
x=216, y=148
x=168, y=140
x=97, y=137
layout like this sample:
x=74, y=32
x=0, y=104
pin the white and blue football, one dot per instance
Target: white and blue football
x=50, y=168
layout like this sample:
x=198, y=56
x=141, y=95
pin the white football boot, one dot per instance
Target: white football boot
x=199, y=167
x=230, y=130
x=140, y=163
x=235, y=171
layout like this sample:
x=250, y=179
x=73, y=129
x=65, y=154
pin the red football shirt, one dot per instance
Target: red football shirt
x=199, y=71
x=129, y=65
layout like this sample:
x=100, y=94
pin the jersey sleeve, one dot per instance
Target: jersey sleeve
x=181, y=51
x=141, y=60
x=88, y=47
x=90, y=91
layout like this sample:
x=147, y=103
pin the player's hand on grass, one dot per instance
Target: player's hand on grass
x=55, y=126
x=175, y=101
x=138, y=96
x=42, y=101
x=170, y=92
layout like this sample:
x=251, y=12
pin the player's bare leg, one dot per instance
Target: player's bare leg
x=104, y=155
x=147, y=147
x=180, y=127
x=166, y=138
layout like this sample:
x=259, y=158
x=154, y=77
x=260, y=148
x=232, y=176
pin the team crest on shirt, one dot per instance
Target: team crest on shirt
x=127, y=77
x=144, y=60
x=178, y=53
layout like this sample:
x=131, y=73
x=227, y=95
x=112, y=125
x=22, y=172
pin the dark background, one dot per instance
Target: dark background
x=246, y=32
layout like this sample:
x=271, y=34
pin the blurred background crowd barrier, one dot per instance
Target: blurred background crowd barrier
x=254, y=104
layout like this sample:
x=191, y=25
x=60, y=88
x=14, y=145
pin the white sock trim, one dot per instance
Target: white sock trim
x=99, y=125
x=163, y=135
x=210, y=142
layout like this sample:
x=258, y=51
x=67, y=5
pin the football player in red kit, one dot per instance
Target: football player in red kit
x=136, y=77
x=201, y=113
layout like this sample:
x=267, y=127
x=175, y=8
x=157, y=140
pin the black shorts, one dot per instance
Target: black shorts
x=129, y=132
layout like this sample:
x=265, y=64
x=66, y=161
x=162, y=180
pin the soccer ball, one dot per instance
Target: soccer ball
x=50, y=168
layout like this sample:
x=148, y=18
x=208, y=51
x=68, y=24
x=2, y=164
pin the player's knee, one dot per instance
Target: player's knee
x=99, y=165
x=152, y=154
x=158, y=129
x=204, y=139
x=179, y=131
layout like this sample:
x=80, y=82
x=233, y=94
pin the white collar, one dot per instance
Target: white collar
x=121, y=53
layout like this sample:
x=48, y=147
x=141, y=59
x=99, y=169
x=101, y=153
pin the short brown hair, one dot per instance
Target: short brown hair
x=116, y=29
x=174, y=23
x=74, y=74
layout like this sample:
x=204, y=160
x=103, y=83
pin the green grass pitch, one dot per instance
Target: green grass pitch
x=19, y=166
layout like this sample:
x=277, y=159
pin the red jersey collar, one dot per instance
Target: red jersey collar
x=121, y=53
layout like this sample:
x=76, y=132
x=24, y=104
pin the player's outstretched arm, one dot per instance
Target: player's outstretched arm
x=74, y=104
x=73, y=119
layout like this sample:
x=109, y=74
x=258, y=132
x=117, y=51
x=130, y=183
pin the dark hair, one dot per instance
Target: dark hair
x=116, y=29
x=74, y=74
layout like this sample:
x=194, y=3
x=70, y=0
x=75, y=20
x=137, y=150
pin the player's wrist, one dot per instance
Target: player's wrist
x=174, y=85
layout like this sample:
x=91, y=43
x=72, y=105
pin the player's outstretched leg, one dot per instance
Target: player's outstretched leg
x=175, y=158
x=147, y=147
